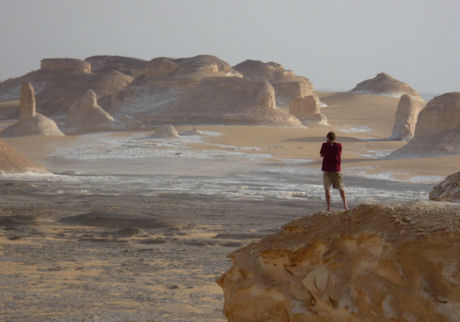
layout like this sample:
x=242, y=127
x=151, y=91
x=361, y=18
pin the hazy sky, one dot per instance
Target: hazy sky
x=334, y=43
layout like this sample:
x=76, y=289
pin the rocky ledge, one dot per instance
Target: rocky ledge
x=377, y=263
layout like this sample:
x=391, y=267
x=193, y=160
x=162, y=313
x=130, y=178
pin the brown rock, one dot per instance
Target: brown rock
x=65, y=65
x=13, y=161
x=27, y=106
x=306, y=109
x=85, y=115
x=126, y=65
x=406, y=117
x=385, y=85
x=379, y=263
x=448, y=189
x=165, y=131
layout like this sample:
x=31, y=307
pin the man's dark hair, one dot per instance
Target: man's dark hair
x=331, y=136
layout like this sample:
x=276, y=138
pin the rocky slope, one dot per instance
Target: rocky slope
x=437, y=131
x=13, y=161
x=379, y=263
x=448, y=189
x=385, y=85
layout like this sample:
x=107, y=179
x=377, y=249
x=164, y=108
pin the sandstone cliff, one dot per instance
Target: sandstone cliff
x=385, y=85
x=85, y=115
x=437, y=131
x=306, y=109
x=406, y=117
x=448, y=189
x=223, y=100
x=30, y=122
x=287, y=85
x=380, y=263
x=11, y=161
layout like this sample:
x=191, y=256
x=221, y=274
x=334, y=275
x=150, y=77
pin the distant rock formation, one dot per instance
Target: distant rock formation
x=306, y=109
x=385, y=85
x=287, y=85
x=437, y=131
x=65, y=65
x=223, y=100
x=165, y=131
x=448, y=189
x=398, y=263
x=127, y=65
x=61, y=81
x=85, y=115
x=406, y=117
x=11, y=161
x=30, y=122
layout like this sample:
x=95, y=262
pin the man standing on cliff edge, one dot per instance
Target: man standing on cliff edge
x=331, y=153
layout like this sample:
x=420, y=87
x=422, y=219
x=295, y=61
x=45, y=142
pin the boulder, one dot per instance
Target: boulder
x=130, y=123
x=384, y=85
x=85, y=115
x=30, y=122
x=380, y=263
x=11, y=161
x=306, y=109
x=165, y=131
x=437, y=131
x=223, y=100
x=287, y=85
x=406, y=117
x=448, y=189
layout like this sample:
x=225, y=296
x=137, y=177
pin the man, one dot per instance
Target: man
x=331, y=152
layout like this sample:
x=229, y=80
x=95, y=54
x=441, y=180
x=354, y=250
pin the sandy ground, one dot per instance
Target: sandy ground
x=74, y=257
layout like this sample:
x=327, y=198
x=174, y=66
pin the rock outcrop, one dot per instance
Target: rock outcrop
x=385, y=85
x=65, y=65
x=437, y=131
x=406, y=117
x=223, y=100
x=380, y=263
x=11, y=161
x=165, y=131
x=306, y=109
x=127, y=65
x=448, y=189
x=30, y=122
x=287, y=85
x=85, y=115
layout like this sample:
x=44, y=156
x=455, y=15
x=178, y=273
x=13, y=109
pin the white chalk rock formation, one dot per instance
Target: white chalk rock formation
x=30, y=122
x=223, y=100
x=437, y=131
x=306, y=109
x=448, y=189
x=11, y=161
x=380, y=263
x=287, y=85
x=165, y=131
x=406, y=117
x=384, y=85
x=85, y=115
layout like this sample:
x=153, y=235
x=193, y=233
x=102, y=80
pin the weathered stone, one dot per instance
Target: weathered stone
x=306, y=109
x=86, y=115
x=377, y=263
x=27, y=106
x=406, y=117
x=165, y=131
x=385, y=85
x=65, y=65
x=448, y=189
x=13, y=161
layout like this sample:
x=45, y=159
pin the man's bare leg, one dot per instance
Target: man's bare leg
x=344, y=199
x=328, y=199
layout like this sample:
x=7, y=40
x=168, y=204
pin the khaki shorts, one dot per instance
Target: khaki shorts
x=333, y=179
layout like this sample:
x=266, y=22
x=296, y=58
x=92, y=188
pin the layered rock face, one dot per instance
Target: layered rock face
x=306, y=109
x=448, y=189
x=30, y=122
x=385, y=85
x=127, y=65
x=287, y=85
x=437, y=131
x=86, y=115
x=397, y=263
x=13, y=162
x=65, y=65
x=406, y=117
x=224, y=100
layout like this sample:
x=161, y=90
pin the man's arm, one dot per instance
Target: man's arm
x=321, y=153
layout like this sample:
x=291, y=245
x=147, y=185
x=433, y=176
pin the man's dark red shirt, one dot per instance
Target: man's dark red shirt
x=331, y=152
